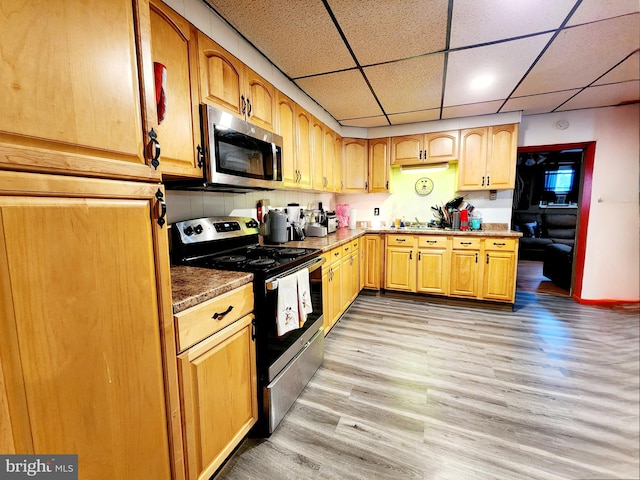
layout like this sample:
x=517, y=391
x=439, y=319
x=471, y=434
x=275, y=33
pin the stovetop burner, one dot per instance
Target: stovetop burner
x=231, y=259
x=262, y=262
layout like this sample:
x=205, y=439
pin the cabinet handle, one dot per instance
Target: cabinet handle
x=154, y=149
x=253, y=329
x=482, y=181
x=200, y=156
x=420, y=156
x=476, y=257
x=488, y=182
x=419, y=256
x=386, y=185
x=495, y=244
x=244, y=104
x=487, y=259
x=366, y=185
x=163, y=208
x=465, y=243
x=219, y=316
x=410, y=254
x=249, y=113
x=400, y=240
x=432, y=241
x=336, y=254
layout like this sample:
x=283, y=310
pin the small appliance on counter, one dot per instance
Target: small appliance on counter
x=275, y=227
x=331, y=222
x=315, y=229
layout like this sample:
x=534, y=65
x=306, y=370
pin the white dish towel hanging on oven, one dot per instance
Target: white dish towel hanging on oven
x=304, y=295
x=287, y=317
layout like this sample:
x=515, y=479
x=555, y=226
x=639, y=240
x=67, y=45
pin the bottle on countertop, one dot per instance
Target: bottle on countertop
x=259, y=211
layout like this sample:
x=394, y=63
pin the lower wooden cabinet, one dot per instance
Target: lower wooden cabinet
x=370, y=267
x=218, y=386
x=482, y=268
x=84, y=306
x=340, y=281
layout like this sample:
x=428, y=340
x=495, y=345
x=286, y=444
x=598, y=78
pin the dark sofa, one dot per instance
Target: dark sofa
x=542, y=229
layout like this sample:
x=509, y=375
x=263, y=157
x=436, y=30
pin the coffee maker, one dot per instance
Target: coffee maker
x=295, y=221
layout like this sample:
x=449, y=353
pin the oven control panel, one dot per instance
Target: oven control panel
x=214, y=228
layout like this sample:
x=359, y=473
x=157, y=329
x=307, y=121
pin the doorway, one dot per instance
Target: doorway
x=551, y=207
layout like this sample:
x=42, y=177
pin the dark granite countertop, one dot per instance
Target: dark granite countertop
x=191, y=285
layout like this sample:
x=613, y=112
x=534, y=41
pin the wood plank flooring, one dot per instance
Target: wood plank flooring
x=415, y=390
x=530, y=279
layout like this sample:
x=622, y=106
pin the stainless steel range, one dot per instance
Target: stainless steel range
x=285, y=363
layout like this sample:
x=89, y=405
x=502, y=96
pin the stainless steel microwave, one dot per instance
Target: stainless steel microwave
x=239, y=154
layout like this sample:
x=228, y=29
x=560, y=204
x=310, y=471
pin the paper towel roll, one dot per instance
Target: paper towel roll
x=352, y=218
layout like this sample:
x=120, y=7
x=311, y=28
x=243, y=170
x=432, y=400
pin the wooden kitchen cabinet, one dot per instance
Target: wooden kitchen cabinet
x=331, y=287
x=500, y=263
x=337, y=165
x=465, y=267
x=331, y=180
x=488, y=158
x=379, y=153
x=433, y=266
x=286, y=128
x=219, y=394
x=372, y=256
x=355, y=165
x=228, y=83
x=82, y=114
x=350, y=277
x=85, y=326
x=400, y=271
x=425, y=148
x=173, y=44
x=304, y=148
x=318, y=178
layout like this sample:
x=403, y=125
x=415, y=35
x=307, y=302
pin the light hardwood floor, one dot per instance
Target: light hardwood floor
x=410, y=389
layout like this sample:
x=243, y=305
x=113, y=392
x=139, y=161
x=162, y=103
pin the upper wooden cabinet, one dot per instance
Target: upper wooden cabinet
x=173, y=44
x=379, y=165
x=488, y=158
x=337, y=165
x=329, y=159
x=318, y=178
x=304, y=149
x=71, y=89
x=228, y=83
x=425, y=148
x=355, y=165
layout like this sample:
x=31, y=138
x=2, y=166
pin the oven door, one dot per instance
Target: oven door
x=276, y=352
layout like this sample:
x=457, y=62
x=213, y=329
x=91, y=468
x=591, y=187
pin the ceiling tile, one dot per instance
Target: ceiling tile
x=506, y=63
x=365, y=122
x=343, y=94
x=413, y=117
x=408, y=85
x=475, y=22
x=379, y=32
x=627, y=70
x=604, y=95
x=569, y=63
x=535, y=104
x=592, y=10
x=301, y=38
x=485, y=108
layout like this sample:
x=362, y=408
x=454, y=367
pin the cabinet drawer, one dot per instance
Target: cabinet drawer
x=432, y=241
x=466, y=243
x=401, y=240
x=501, y=244
x=200, y=321
x=335, y=254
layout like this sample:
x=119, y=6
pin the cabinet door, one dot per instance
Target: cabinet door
x=286, y=115
x=464, y=273
x=379, y=165
x=503, y=146
x=473, y=159
x=304, y=141
x=329, y=159
x=221, y=77
x=260, y=96
x=372, y=262
x=337, y=166
x=433, y=271
x=354, y=170
x=318, y=180
x=174, y=46
x=499, y=276
x=335, y=291
x=70, y=88
x=406, y=150
x=346, y=279
x=81, y=321
x=219, y=396
x=401, y=269
x=355, y=274
x=327, y=299
x=441, y=146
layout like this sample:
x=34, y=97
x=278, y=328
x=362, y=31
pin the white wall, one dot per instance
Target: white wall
x=612, y=262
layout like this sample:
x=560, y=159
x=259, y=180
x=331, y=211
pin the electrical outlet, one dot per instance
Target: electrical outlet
x=376, y=211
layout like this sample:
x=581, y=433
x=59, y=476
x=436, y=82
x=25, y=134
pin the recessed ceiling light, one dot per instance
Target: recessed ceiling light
x=483, y=81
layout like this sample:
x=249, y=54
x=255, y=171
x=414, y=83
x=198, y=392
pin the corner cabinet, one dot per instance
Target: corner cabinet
x=488, y=158
x=228, y=83
x=173, y=44
x=82, y=114
x=84, y=316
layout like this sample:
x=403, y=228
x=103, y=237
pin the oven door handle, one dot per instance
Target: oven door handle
x=271, y=284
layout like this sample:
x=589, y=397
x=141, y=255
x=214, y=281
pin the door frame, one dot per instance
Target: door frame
x=584, y=206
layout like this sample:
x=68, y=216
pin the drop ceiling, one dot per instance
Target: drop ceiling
x=374, y=63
